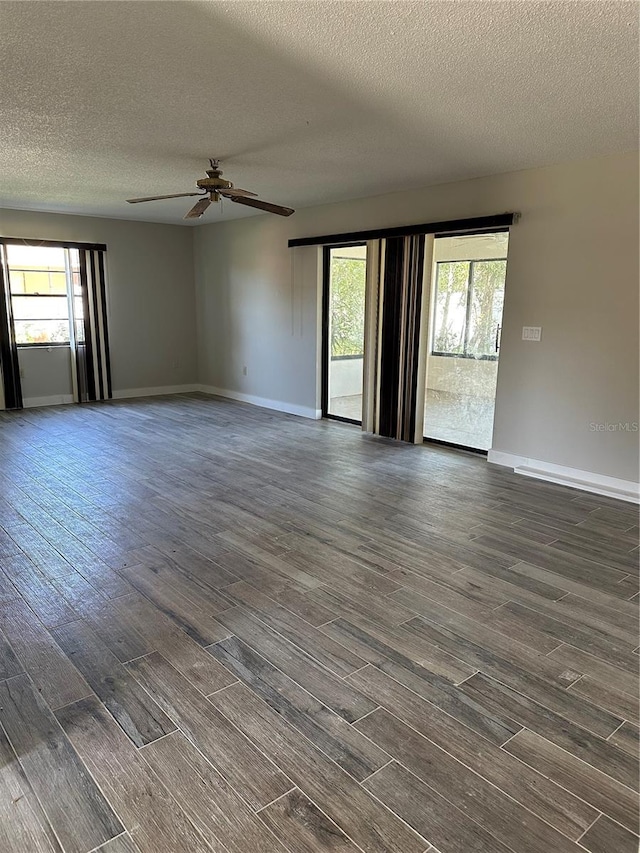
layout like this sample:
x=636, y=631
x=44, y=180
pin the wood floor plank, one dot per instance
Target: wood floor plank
x=8, y=546
x=264, y=574
x=104, y=618
x=509, y=585
x=8, y=591
x=23, y=824
x=42, y=553
x=233, y=755
x=510, y=647
x=588, y=571
x=78, y=812
x=50, y=669
x=612, y=619
x=339, y=796
x=436, y=690
x=122, y=844
x=207, y=799
x=324, y=728
x=251, y=563
x=350, y=600
x=132, y=708
x=594, y=641
x=303, y=826
x=584, y=662
x=194, y=621
x=40, y=594
x=302, y=606
x=468, y=599
x=584, y=780
x=619, y=703
x=320, y=682
x=164, y=636
x=396, y=646
x=552, y=803
x=316, y=644
x=436, y=622
x=191, y=564
x=187, y=584
x=505, y=625
x=434, y=817
x=605, y=836
x=73, y=552
x=511, y=705
x=627, y=737
x=525, y=573
x=337, y=569
x=508, y=821
x=149, y=812
x=553, y=696
x=9, y=663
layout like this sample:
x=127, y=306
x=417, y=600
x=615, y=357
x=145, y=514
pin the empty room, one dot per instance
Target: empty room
x=319, y=458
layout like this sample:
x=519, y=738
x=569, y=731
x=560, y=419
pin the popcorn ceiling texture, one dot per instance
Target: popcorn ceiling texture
x=306, y=102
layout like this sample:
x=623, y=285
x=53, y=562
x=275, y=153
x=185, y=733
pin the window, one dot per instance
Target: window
x=41, y=281
x=468, y=308
x=343, y=340
x=348, y=275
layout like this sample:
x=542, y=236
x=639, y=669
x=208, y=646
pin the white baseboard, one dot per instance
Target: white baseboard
x=158, y=390
x=54, y=400
x=155, y=391
x=263, y=403
x=587, y=481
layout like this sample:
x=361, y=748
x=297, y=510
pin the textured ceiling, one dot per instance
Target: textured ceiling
x=305, y=102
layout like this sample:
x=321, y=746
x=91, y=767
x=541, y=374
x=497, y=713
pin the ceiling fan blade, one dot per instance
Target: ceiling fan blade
x=263, y=205
x=159, y=197
x=198, y=208
x=235, y=191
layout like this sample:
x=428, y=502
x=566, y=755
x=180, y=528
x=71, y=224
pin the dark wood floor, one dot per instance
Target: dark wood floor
x=225, y=629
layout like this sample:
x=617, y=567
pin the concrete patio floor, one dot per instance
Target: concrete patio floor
x=460, y=420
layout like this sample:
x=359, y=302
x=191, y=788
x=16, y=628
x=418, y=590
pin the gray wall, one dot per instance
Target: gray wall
x=151, y=299
x=572, y=269
x=45, y=372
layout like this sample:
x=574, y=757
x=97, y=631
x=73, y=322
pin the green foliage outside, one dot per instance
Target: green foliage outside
x=486, y=293
x=486, y=306
x=347, y=306
x=451, y=298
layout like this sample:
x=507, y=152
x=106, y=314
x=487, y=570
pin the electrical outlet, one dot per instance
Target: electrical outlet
x=531, y=333
x=244, y=370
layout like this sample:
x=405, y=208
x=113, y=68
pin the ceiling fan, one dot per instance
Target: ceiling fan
x=213, y=188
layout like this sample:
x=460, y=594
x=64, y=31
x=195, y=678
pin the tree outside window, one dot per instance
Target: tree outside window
x=348, y=277
x=468, y=307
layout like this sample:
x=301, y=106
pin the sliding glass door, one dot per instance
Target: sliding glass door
x=344, y=312
x=467, y=298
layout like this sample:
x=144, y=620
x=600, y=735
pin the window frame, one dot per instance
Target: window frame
x=468, y=305
x=326, y=331
x=67, y=295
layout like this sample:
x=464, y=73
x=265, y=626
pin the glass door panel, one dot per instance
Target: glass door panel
x=344, y=345
x=462, y=368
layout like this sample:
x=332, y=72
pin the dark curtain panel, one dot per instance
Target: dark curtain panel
x=400, y=335
x=8, y=349
x=90, y=332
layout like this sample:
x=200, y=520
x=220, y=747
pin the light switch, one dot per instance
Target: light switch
x=531, y=333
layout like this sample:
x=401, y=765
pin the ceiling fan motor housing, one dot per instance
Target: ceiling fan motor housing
x=214, y=182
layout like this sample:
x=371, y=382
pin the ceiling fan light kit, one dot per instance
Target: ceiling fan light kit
x=212, y=189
